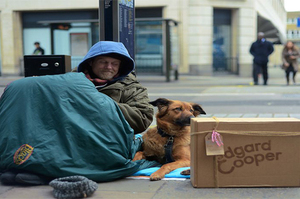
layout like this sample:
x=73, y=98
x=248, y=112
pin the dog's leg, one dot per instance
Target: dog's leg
x=167, y=168
x=138, y=156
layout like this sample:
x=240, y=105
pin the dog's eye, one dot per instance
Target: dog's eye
x=191, y=110
x=178, y=109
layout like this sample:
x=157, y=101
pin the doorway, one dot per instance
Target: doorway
x=222, y=59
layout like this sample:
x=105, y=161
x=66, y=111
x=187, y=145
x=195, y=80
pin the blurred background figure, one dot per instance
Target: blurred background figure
x=261, y=49
x=290, y=55
x=38, y=50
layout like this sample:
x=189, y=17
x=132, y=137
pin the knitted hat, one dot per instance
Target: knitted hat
x=73, y=187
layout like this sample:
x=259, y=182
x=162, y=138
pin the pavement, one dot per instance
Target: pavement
x=190, y=86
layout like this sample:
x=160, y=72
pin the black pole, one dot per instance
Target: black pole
x=109, y=20
x=168, y=50
x=116, y=22
x=52, y=38
x=101, y=20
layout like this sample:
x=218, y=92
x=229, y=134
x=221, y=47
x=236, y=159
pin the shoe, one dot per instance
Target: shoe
x=32, y=179
x=8, y=178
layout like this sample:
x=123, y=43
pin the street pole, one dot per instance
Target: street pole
x=168, y=50
x=116, y=22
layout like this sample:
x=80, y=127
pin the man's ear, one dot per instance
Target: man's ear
x=197, y=109
x=160, y=102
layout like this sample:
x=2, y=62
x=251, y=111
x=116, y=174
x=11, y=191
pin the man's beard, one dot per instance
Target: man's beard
x=106, y=76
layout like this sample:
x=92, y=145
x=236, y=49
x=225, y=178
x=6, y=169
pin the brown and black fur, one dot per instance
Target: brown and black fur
x=173, y=118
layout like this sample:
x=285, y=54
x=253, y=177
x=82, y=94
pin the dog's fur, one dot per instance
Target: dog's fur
x=173, y=118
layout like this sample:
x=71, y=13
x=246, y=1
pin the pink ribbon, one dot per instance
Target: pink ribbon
x=215, y=137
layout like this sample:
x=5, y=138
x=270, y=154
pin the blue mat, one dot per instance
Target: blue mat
x=172, y=174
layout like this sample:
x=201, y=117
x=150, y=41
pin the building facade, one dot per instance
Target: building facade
x=208, y=35
x=293, y=27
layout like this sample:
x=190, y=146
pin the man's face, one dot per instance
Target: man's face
x=105, y=67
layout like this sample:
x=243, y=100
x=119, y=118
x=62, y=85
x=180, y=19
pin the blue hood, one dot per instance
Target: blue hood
x=111, y=49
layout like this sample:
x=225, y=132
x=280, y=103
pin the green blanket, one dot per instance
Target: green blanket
x=61, y=125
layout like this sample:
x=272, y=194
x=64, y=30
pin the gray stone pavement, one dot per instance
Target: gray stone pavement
x=226, y=87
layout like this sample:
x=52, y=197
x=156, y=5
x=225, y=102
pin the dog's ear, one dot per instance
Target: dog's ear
x=197, y=110
x=160, y=102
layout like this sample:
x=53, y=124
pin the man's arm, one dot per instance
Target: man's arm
x=271, y=48
x=136, y=108
x=252, y=50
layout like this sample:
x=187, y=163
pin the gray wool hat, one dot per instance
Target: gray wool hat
x=73, y=187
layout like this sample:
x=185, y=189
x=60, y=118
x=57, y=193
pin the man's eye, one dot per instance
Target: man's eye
x=191, y=110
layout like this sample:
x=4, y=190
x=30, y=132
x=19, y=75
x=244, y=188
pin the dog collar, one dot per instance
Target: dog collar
x=162, y=133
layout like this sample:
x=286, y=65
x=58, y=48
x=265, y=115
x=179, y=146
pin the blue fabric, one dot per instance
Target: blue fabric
x=172, y=174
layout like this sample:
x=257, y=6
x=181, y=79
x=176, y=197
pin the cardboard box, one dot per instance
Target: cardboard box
x=257, y=152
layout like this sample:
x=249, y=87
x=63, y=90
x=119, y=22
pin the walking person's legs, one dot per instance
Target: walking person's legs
x=287, y=74
x=256, y=69
x=288, y=71
x=264, y=68
x=294, y=76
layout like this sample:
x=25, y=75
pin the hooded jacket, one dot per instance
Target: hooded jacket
x=261, y=51
x=130, y=95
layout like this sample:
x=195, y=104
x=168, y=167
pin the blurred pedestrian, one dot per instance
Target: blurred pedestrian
x=290, y=55
x=38, y=50
x=261, y=49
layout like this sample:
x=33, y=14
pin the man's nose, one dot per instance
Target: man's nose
x=109, y=65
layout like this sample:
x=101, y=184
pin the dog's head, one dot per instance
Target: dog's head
x=176, y=112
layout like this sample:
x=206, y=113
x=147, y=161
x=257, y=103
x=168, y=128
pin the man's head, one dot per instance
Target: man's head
x=260, y=35
x=37, y=44
x=109, y=52
x=105, y=67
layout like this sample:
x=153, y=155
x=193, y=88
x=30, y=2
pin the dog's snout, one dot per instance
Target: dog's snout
x=184, y=121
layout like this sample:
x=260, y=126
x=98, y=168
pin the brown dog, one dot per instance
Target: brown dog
x=169, y=142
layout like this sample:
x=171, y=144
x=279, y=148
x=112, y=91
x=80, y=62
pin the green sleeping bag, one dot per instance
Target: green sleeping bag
x=60, y=125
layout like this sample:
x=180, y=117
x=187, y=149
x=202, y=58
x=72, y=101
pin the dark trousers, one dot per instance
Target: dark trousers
x=258, y=68
x=288, y=71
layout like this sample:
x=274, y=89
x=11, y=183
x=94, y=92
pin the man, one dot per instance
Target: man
x=109, y=66
x=261, y=49
x=76, y=123
x=38, y=50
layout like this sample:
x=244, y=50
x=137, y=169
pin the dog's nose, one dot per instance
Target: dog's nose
x=186, y=121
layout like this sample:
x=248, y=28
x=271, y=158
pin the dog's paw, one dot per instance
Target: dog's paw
x=156, y=177
x=185, y=172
